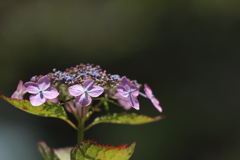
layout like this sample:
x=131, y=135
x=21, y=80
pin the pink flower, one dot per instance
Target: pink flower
x=21, y=90
x=150, y=95
x=41, y=91
x=129, y=91
x=84, y=93
x=123, y=101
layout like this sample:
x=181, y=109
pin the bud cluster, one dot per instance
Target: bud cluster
x=78, y=74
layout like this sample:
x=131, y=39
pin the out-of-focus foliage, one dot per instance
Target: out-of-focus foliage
x=187, y=51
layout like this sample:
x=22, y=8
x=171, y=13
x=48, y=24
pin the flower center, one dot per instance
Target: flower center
x=129, y=91
x=41, y=94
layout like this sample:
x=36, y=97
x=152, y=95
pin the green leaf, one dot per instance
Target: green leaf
x=90, y=150
x=47, y=152
x=54, y=154
x=47, y=109
x=124, y=118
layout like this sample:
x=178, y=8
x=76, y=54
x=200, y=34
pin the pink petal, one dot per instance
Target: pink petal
x=95, y=91
x=37, y=100
x=126, y=83
x=88, y=83
x=122, y=91
x=135, y=90
x=54, y=100
x=156, y=104
x=76, y=90
x=32, y=87
x=123, y=101
x=148, y=91
x=50, y=93
x=84, y=100
x=150, y=95
x=17, y=95
x=21, y=90
x=43, y=83
x=21, y=87
x=134, y=102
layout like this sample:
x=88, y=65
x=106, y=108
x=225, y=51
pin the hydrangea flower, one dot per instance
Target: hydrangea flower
x=129, y=91
x=84, y=93
x=150, y=95
x=21, y=90
x=41, y=91
x=123, y=101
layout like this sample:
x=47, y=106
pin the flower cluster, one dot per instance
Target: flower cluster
x=81, y=84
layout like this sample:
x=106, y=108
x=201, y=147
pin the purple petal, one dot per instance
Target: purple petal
x=95, y=91
x=88, y=83
x=37, y=100
x=76, y=90
x=21, y=87
x=21, y=90
x=32, y=87
x=17, y=95
x=134, y=102
x=123, y=101
x=43, y=83
x=135, y=90
x=148, y=91
x=126, y=83
x=54, y=100
x=50, y=93
x=122, y=91
x=84, y=100
x=156, y=104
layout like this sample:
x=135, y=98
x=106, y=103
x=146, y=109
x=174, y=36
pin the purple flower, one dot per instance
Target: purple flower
x=150, y=95
x=123, y=101
x=84, y=93
x=21, y=90
x=129, y=91
x=41, y=91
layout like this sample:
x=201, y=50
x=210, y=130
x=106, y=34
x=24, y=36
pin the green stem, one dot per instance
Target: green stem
x=81, y=122
x=80, y=131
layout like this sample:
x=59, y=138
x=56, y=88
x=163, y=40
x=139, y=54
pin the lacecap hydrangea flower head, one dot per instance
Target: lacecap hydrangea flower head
x=80, y=85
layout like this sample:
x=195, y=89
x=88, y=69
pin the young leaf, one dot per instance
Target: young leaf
x=54, y=154
x=90, y=150
x=47, y=109
x=124, y=118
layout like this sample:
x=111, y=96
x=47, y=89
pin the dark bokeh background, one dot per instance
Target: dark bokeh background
x=187, y=51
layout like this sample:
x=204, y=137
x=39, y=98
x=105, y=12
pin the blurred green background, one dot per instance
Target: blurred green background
x=187, y=51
